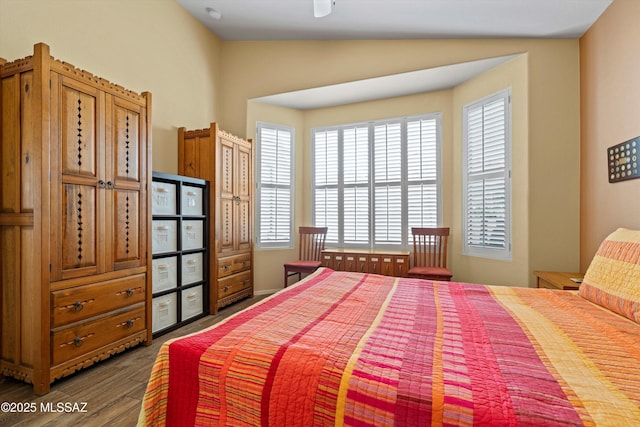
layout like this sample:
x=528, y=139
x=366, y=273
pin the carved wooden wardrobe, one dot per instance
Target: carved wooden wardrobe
x=74, y=220
x=225, y=160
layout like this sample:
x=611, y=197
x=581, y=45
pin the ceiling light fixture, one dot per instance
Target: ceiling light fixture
x=322, y=8
x=214, y=13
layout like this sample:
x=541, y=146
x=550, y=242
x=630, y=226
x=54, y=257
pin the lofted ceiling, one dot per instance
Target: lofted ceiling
x=393, y=19
x=397, y=19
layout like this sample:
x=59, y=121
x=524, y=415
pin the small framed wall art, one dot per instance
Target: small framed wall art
x=622, y=160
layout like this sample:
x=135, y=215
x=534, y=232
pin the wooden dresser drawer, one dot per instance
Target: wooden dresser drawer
x=233, y=264
x=74, y=304
x=80, y=338
x=232, y=284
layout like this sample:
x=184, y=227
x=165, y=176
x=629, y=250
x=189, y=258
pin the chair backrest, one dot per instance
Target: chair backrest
x=312, y=242
x=430, y=246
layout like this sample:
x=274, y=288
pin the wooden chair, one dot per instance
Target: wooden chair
x=311, y=244
x=430, y=254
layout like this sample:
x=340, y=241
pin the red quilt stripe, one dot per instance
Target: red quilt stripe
x=185, y=354
x=277, y=358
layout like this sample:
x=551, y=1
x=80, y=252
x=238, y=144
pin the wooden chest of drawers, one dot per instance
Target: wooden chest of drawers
x=234, y=278
x=387, y=263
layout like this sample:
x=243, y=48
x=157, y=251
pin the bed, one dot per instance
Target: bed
x=342, y=348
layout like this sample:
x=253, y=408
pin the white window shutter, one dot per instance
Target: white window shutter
x=487, y=177
x=275, y=189
x=373, y=180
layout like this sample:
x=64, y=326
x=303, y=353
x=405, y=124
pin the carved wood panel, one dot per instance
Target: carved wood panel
x=126, y=171
x=79, y=155
x=79, y=228
x=226, y=236
x=227, y=168
x=126, y=227
x=126, y=147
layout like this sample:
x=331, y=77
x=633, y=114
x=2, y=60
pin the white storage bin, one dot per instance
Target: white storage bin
x=191, y=200
x=164, y=311
x=164, y=236
x=191, y=302
x=164, y=274
x=163, y=198
x=192, y=268
x=192, y=235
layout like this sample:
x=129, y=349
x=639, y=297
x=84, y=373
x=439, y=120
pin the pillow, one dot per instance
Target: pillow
x=613, y=277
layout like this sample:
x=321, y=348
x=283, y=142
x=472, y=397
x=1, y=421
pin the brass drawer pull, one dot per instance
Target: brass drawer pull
x=78, y=306
x=77, y=342
x=129, y=324
x=129, y=292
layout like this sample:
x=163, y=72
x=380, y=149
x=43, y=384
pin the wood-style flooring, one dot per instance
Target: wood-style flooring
x=112, y=390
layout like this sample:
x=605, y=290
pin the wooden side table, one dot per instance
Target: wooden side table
x=558, y=280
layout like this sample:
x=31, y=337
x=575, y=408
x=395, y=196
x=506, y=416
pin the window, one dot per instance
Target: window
x=487, y=177
x=274, y=177
x=373, y=181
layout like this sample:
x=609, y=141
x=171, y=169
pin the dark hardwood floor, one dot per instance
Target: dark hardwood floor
x=110, y=392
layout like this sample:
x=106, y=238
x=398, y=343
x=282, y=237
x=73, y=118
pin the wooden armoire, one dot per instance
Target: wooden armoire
x=225, y=160
x=74, y=218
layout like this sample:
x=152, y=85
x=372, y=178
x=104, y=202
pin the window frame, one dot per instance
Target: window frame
x=372, y=185
x=259, y=186
x=488, y=251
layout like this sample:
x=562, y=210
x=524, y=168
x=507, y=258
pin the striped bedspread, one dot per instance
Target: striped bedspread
x=354, y=349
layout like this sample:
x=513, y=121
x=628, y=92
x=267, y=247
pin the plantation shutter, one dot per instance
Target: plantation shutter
x=326, y=169
x=487, y=177
x=388, y=183
x=372, y=180
x=422, y=173
x=355, y=155
x=275, y=176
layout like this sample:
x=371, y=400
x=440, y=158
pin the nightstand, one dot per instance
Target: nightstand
x=558, y=280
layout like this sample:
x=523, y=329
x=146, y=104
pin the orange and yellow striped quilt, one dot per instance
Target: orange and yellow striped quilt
x=365, y=350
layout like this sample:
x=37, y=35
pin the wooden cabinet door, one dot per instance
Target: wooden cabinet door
x=401, y=266
x=77, y=162
x=243, y=193
x=226, y=197
x=234, y=193
x=97, y=181
x=125, y=181
x=362, y=263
